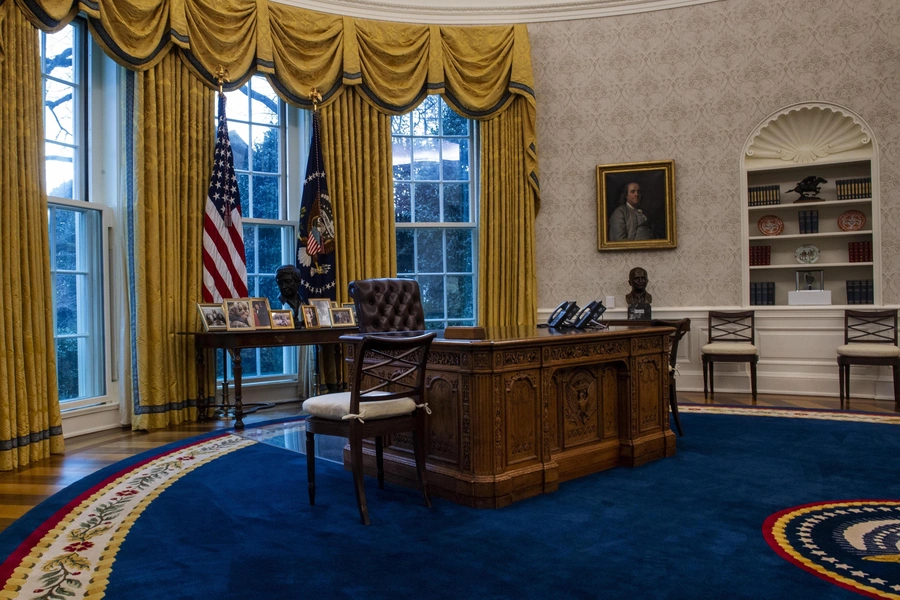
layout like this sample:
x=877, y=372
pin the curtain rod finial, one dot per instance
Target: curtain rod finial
x=221, y=76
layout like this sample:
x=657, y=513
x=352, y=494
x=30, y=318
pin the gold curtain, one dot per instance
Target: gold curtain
x=356, y=144
x=30, y=422
x=507, y=279
x=174, y=140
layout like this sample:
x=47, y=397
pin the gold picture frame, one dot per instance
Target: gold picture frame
x=212, y=316
x=238, y=314
x=282, y=318
x=260, y=309
x=310, y=316
x=636, y=206
x=323, y=306
x=342, y=317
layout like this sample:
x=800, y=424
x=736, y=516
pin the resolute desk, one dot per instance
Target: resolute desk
x=524, y=409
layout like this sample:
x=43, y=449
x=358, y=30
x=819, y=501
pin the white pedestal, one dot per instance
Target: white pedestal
x=809, y=298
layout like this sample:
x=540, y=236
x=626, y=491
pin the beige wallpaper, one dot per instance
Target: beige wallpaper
x=689, y=84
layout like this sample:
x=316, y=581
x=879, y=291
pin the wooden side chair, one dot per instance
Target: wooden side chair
x=732, y=338
x=870, y=338
x=387, y=396
x=681, y=326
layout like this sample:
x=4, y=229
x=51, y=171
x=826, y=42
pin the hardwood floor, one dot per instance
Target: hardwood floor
x=24, y=488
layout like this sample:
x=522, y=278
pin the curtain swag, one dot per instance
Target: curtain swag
x=479, y=70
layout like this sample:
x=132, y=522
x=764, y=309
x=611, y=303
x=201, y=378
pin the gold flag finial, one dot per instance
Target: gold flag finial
x=315, y=97
x=221, y=76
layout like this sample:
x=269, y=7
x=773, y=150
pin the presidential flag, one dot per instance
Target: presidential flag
x=315, y=235
x=224, y=262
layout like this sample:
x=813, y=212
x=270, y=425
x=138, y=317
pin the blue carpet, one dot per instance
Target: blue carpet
x=684, y=527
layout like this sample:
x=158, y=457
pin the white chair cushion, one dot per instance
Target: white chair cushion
x=872, y=350
x=736, y=348
x=337, y=407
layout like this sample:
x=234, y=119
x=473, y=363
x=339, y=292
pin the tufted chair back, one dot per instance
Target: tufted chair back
x=387, y=305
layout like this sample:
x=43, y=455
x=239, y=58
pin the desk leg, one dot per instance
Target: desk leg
x=236, y=371
x=201, y=385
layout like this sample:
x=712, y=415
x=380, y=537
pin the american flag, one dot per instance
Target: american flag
x=224, y=262
x=315, y=243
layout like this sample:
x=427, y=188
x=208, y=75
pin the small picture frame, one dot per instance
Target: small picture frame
x=323, y=306
x=342, y=317
x=212, y=316
x=352, y=307
x=260, y=309
x=310, y=316
x=813, y=279
x=238, y=314
x=282, y=318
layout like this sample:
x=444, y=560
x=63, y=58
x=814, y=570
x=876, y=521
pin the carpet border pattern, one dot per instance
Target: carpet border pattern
x=792, y=413
x=74, y=556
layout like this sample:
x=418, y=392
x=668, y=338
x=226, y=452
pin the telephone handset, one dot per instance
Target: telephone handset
x=563, y=313
x=589, y=314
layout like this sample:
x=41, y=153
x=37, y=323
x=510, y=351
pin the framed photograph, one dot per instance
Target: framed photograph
x=238, y=314
x=282, y=319
x=323, y=306
x=260, y=308
x=342, y=317
x=310, y=316
x=213, y=317
x=636, y=206
x=352, y=308
x=813, y=279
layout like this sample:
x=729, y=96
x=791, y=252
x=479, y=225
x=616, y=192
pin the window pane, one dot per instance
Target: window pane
x=264, y=104
x=266, y=197
x=425, y=119
x=456, y=203
x=244, y=190
x=60, y=166
x=250, y=247
x=430, y=251
x=67, y=368
x=238, y=134
x=400, y=125
x=59, y=54
x=460, y=250
x=428, y=203
x=59, y=112
x=455, y=159
x=405, y=251
x=401, y=158
x=237, y=106
x=266, y=149
x=66, y=252
x=426, y=158
x=453, y=124
x=270, y=250
x=269, y=289
x=460, y=297
x=66, y=304
x=402, y=203
x=432, y=288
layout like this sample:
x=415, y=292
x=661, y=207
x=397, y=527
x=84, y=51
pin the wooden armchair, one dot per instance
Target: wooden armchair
x=870, y=338
x=681, y=326
x=387, y=396
x=732, y=337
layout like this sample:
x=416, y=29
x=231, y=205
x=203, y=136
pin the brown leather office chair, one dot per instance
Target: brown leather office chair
x=870, y=338
x=387, y=396
x=682, y=326
x=732, y=338
x=387, y=304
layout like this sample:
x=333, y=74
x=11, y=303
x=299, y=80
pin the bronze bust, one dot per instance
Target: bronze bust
x=637, y=278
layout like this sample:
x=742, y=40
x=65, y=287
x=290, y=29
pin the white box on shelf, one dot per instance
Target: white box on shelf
x=809, y=298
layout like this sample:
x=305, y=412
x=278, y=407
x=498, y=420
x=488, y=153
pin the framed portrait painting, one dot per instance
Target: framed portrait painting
x=636, y=206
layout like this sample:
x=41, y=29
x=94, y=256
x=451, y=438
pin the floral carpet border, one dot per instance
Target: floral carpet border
x=78, y=545
x=791, y=413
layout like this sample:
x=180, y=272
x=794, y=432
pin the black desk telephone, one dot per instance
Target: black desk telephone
x=589, y=314
x=562, y=314
x=579, y=317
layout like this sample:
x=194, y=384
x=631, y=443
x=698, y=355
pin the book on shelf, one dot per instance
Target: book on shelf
x=854, y=189
x=860, y=291
x=763, y=195
x=762, y=293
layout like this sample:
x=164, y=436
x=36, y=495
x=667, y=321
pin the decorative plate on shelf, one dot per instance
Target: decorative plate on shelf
x=852, y=220
x=770, y=225
x=807, y=254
